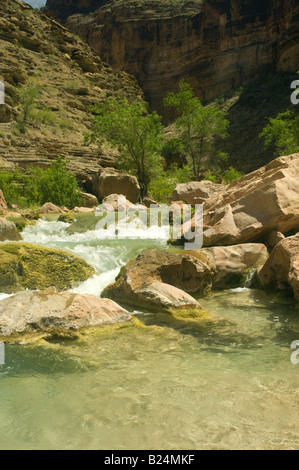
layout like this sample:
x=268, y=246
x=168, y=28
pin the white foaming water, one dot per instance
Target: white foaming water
x=106, y=250
x=4, y=296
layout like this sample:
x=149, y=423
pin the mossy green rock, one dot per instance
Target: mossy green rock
x=27, y=266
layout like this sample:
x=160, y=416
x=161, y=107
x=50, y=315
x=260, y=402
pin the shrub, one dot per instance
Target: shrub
x=230, y=175
x=161, y=188
x=37, y=186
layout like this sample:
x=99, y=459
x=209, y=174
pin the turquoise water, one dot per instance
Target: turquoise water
x=223, y=384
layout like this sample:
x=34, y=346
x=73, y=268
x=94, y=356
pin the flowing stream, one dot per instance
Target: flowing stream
x=176, y=384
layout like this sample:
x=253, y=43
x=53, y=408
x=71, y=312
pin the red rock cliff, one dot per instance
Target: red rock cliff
x=218, y=44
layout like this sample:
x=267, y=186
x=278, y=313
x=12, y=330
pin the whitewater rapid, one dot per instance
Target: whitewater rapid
x=106, y=250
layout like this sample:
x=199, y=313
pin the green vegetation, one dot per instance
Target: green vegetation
x=37, y=186
x=283, y=132
x=158, y=163
x=230, y=175
x=136, y=133
x=161, y=188
x=198, y=128
x=32, y=113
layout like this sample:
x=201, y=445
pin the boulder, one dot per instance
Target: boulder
x=196, y=192
x=159, y=296
x=109, y=181
x=84, y=210
x=281, y=270
x=56, y=313
x=253, y=206
x=89, y=200
x=49, y=208
x=3, y=205
x=116, y=202
x=148, y=202
x=145, y=281
x=27, y=266
x=9, y=231
x=273, y=238
x=233, y=264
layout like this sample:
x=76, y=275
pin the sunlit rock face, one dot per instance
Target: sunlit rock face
x=219, y=45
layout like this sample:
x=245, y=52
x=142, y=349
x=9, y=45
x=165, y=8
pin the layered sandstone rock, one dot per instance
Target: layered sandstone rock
x=218, y=45
x=196, y=192
x=37, y=50
x=253, y=206
x=64, y=8
x=281, y=271
x=56, y=313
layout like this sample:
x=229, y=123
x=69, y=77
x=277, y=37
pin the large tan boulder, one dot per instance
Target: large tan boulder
x=196, y=192
x=109, y=181
x=281, y=271
x=49, y=208
x=155, y=281
x=3, y=205
x=49, y=312
x=115, y=203
x=234, y=264
x=253, y=206
x=89, y=200
x=161, y=297
x=145, y=281
x=9, y=231
x=28, y=266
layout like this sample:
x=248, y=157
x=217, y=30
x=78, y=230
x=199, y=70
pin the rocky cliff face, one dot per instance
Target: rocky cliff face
x=218, y=44
x=37, y=52
x=64, y=8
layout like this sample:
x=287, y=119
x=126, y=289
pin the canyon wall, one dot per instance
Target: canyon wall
x=218, y=45
x=64, y=8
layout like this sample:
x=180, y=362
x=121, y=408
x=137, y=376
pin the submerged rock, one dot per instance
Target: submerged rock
x=281, y=271
x=55, y=313
x=27, y=266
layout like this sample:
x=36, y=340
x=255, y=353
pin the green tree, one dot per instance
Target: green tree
x=59, y=185
x=27, y=97
x=283, y=132
x=198, y=127
x=136, y=133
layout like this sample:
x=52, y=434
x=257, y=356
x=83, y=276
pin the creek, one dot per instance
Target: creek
x=176, y=384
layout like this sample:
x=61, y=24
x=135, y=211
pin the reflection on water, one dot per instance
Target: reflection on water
x=176, y=384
